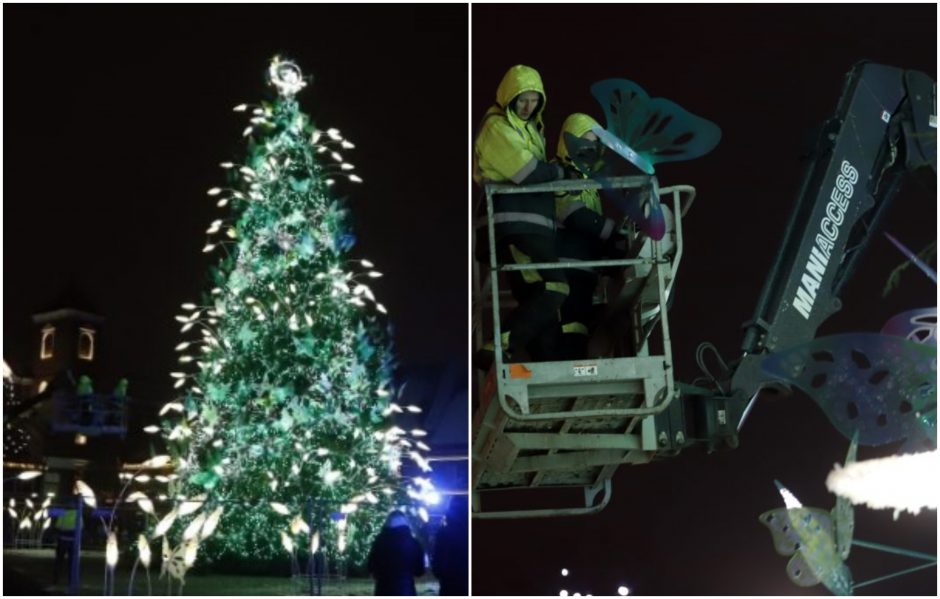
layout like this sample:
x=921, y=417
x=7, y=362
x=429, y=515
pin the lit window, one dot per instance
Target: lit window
x=48, y=342
x=86, y=343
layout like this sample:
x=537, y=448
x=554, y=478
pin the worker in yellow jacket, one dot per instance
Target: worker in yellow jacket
x=584, y=234
x=510, y=148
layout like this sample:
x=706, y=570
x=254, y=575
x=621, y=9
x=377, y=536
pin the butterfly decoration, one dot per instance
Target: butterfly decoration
x=918, y=325
x=641, y=132
x=819, y=541
x=655, y=129
x=882, y=386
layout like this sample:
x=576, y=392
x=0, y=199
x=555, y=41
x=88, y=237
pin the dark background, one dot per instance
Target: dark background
x=118, y=116
x=767, y=75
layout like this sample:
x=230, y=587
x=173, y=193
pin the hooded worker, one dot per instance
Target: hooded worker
x=581, y=211
x=396, y=558
x=585, y=234
x=510, y=148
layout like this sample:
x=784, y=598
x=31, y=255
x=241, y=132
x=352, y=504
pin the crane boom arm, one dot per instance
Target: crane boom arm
x=884, y=129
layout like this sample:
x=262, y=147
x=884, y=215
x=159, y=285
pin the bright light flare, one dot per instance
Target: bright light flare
x=623, y=591
x=28, y=474
x=903, y=482
x=789, y=499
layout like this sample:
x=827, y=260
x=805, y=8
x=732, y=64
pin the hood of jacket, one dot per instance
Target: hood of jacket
x=517, y=80
x=576, y=124
x=396, y=520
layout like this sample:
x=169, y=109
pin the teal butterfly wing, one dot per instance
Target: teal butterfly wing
x=657, y=129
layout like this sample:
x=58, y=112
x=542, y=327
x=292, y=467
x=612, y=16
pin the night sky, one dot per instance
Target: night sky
x=118, y=116
x=767, y=75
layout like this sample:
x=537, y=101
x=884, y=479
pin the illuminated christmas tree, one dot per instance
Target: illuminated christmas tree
x=287, y=395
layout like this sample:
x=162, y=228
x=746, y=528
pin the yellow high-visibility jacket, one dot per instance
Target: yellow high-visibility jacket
x=580, y=211
x=510, y=149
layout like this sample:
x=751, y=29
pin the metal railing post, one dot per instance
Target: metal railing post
x=75, y=557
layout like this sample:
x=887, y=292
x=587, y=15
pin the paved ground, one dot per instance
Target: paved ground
x=29, y=572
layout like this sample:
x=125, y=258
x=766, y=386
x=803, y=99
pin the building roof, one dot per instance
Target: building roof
x=67, y=313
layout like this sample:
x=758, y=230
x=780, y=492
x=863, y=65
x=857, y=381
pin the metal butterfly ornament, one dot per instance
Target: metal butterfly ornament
x=819, y=541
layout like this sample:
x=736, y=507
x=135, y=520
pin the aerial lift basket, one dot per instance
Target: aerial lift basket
x=541, y=425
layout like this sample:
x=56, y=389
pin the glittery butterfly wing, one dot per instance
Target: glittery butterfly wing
x=786, y=540
x=882, y=386
x=657, y=129
x=919, y=326
x=800, y=572
x=816, y=532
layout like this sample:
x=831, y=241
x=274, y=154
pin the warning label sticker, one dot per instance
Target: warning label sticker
x=590, y=370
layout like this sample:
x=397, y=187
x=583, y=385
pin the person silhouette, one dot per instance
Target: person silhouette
x=451, y=550
x=395, y=558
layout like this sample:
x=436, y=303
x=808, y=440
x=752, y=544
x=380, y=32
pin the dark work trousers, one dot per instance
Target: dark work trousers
x=65, y=540
x=577, y=312
x=539, y=293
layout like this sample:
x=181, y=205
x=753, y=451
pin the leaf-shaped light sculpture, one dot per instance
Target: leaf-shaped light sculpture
x=111, y=550
x=188, y=506
x=87, y=494
x=280, y=508
x=211, y=523
x=194, y=527
x=164, y=525
x=143, y=550
x=298, y=526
